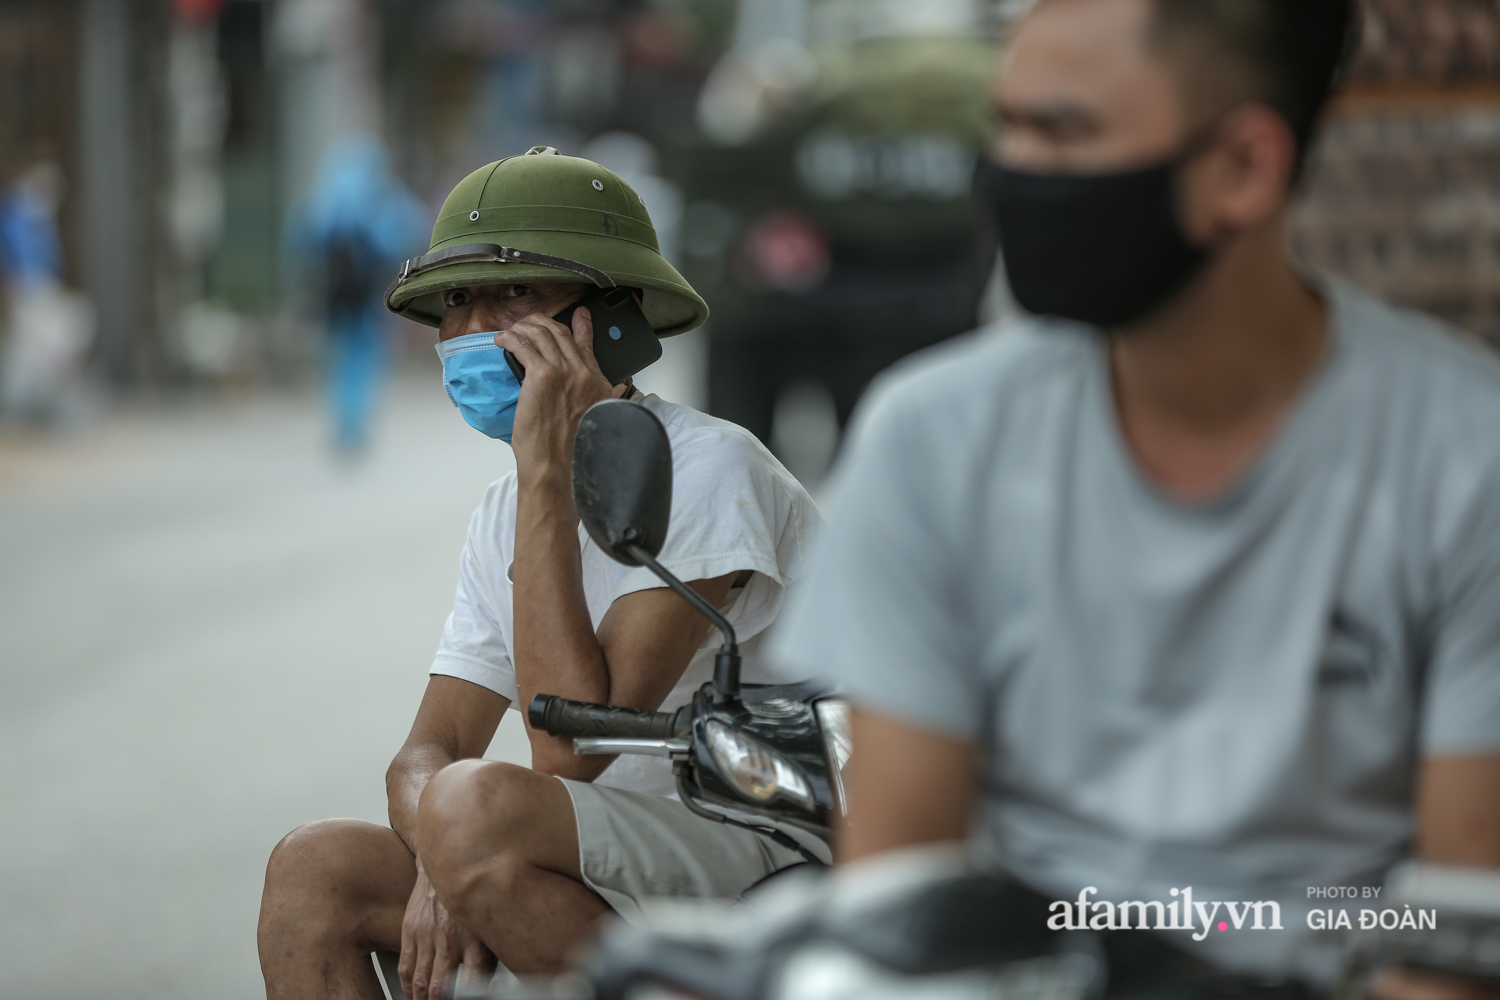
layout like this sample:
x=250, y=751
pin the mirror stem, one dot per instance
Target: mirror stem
x=727, y=664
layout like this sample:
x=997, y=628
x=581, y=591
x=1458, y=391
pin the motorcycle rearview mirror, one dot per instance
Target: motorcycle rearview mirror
x=622, y=488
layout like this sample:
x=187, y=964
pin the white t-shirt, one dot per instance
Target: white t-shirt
x=1233, y=695
x=734, y=507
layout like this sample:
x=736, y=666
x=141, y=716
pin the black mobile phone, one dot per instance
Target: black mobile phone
x=624, y=342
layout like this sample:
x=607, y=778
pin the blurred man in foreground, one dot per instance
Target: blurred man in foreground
x=482, y=859
x=1195, y=582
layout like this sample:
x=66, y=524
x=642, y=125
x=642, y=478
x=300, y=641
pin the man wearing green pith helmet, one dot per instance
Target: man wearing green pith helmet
x=484, y=861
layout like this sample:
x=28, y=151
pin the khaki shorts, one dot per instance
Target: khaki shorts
x=633, y=847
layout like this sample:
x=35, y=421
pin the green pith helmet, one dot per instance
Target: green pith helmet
x=544, y=208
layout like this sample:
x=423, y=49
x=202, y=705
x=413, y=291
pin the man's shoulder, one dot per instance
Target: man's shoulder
x=1416, y=340
x=1435, y=373
x=496, y=510
x=703, y=442
x=980, y=374
x=734, y=506
x=500, y=492
x=687, y=424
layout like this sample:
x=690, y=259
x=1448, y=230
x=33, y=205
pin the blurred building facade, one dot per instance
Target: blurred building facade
x=76, y=91
x=1404, y=193
x=39, y=81
x=186, y=130
x=469, y=81
x=153, y=111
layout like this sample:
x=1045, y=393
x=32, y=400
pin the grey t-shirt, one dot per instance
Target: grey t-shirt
x=1232, y=696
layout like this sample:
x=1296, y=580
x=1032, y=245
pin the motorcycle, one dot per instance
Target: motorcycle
x=768, y=758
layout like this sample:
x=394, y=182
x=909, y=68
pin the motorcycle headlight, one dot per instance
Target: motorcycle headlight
x=758, y=773
x=833, y=720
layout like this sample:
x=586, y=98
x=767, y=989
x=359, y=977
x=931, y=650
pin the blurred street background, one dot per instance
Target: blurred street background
x=209, y=634
x=232, y=493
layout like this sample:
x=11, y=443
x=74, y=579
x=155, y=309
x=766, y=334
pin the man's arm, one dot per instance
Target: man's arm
x=455, y=721
x=1458, y=823
x=1458, y=811
x=642, y=647
x=644, y=643
x=906, y=786
x=646, y=639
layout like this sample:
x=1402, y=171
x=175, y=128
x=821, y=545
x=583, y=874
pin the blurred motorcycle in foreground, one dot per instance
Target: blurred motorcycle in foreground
x=925, y=925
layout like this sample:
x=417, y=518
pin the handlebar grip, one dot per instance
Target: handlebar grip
x=557, y=716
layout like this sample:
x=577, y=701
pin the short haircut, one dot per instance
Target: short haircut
x=1290, y=53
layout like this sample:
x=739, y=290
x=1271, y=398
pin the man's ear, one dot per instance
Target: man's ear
x=1244, y=180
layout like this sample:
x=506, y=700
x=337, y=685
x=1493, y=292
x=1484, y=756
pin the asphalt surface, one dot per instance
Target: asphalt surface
x=210, y=633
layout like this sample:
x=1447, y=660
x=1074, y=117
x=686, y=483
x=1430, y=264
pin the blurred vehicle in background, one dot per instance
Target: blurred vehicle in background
x=830, y=219
x=678, y=374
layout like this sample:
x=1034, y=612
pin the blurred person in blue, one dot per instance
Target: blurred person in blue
x=30, y=251
x=357, y=222
x=1191, y=577
x=48, y=329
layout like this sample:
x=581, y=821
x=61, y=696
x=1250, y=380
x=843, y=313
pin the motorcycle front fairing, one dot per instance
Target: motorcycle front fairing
x=779, y=727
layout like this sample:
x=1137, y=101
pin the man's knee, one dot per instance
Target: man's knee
x=478, y=820
x=320, y=874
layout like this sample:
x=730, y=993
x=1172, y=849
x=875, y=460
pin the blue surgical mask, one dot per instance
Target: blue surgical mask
x=480, y=383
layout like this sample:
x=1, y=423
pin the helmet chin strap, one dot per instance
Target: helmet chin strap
x=493, y=253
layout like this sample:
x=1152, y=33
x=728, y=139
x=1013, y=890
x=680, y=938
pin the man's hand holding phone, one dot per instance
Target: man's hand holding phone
x=562, y=381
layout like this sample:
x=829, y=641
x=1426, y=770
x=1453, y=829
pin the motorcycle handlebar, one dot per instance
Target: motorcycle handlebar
x=563, y=717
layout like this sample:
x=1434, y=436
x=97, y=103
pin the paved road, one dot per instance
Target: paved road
x=209, y=634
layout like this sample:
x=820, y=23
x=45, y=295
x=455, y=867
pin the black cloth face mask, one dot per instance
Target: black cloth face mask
x=1104, y=249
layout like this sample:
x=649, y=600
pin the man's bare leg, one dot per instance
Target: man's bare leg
x=335, y=891
x=500, y=845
